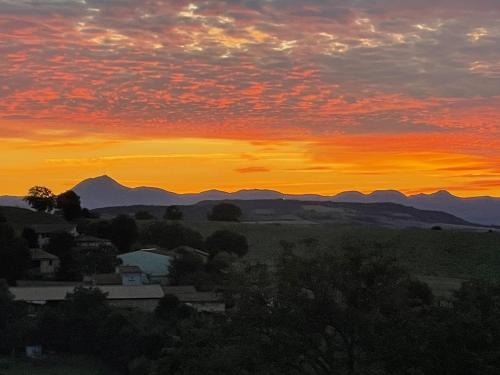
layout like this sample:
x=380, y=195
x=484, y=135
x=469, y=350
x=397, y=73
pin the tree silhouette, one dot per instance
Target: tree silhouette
x=41, y=199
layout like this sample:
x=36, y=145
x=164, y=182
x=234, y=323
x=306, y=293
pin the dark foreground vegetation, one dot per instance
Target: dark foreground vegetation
x=356, y=313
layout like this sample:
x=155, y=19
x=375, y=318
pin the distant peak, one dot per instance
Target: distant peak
x=99, y=181
x=443, y=193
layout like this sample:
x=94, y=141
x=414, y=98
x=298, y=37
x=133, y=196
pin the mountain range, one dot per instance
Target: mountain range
x=104, y=191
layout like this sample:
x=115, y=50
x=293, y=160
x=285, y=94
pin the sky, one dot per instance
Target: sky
x=305, y=96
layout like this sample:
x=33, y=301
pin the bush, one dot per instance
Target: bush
x=225, y=212
x=227, y=241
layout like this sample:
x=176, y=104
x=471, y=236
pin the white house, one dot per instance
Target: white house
x=43, y=263
x=46, y=231
x=154, y=263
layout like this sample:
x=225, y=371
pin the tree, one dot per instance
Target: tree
x=101, y=228
x=124, y=232
x=41, y=199
x=84, y=312
x=225, y=212
x=62, y=245
x=98, y=260
x=172, y=235
x=14, y=255
x=226, y=241
x=173, y=213
x=31, y=237
x=143, y=215
x=69, y=204
x=182, y=269
x=7, y=316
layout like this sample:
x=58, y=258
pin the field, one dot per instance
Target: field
x=54, y=366
x=444, y=253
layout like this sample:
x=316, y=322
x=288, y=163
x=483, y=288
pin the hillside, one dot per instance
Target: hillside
x=104, y=191
x=22, y=217
x=305, y=212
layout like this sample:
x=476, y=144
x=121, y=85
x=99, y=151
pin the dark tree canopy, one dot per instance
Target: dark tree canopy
x=41, y=199
x=172, y=235
x=182, y=269
x=62, y=245
x=226, y=241
x=69, y=203
x=143, y=215
x=173, y=213
x=31, y=237
x=14, y=255
x=225, y=212
x=124, y=232
x=100, y=228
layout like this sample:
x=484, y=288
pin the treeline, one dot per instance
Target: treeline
x=355, y=313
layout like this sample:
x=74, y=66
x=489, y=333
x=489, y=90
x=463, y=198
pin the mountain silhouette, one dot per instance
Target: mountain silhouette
x=104, y=191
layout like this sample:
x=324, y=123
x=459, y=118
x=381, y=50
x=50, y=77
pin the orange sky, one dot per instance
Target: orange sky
x=297, y=96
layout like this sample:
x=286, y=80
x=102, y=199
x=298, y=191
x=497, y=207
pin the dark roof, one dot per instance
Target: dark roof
x=39, y=254
x=192, y=250
x=52, y=228
x=104, y=279
x=86, y=238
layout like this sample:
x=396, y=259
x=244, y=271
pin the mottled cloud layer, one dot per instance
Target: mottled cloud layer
x=392, y=73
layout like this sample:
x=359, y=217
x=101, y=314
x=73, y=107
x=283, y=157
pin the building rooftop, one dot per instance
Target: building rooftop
x=39, y=254
x=58, y=293
x=87, y=238
x=52, y=228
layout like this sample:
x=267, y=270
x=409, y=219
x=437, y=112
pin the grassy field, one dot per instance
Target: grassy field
x=54, y=366
x=444, y=253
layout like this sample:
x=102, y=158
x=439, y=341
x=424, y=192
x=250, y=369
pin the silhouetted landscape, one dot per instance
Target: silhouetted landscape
x=250, y=187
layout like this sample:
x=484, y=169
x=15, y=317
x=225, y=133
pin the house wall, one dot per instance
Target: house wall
x=152, y=264
x=132, y=279
x=48, y=267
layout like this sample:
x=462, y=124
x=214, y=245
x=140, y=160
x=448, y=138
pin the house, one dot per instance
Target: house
x=46, y=231
x=87, y=242
x=153, y=263
x=143, y=297
x=131, y=275
x=124, y=275
x=182, y=250
x=43, y=263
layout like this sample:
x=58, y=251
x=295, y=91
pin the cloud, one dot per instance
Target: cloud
x=252, y=170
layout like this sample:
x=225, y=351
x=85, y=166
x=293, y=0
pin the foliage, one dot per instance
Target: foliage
x=99, y=228
x=69, y=203
x=173, y=213
x=14, y=255
x=172, y=235
x=7, y=315
x=226, y=241
x=41, y=199
x=225, y=212
x=123, y=232
x=30, y=237
x=62, y=245
x=143, y=215
x=182, y=268
x=98, y=260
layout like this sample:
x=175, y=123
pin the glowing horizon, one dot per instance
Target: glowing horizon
x=296, y=96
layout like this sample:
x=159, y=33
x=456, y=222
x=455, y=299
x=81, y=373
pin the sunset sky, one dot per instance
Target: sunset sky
x=299, y=96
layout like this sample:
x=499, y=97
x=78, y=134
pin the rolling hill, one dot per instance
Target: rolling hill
x=104, y=191
x=310, y=212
